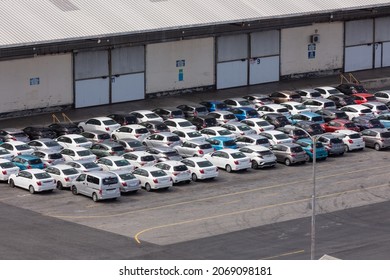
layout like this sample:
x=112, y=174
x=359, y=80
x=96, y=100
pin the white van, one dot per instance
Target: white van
x=97, y=184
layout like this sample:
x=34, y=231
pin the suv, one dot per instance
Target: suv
x=377, y=138
x=289, y=153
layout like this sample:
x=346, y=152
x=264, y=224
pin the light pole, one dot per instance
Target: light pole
x=314, y=139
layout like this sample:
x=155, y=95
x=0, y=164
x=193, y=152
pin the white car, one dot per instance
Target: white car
x=239, y=128
x=16, y=148
x=213, y=131
x=377, y=108
x=273, y=108
x=194, y=148
x=176, y=169
x=189, y=134
x=153, y=178
x=353, y=111
x=140, y=158
x=50, y=157
x=179, y=124
x=63, y=174
x=259, y=125
x=223, y=116
x=238, y=102
x=146, y=115
x=162, y=139
x=260, y=156
x=200, y=168
x=308, y=93
x=327, y=91
x=128, y=182
x=7, y=168
x=79, y=154
x=254, y=139
x=229, y=159
x=5, y=154
x=34, y=180
x=276, y=137
x=133, y=131
x=352, y=139
x=73, y=140
x=84, y=166
x=383, y=96
x=132, y=145
x=295, y=107
x=45, y=144
x=316, y=104
x=111, y=163
x=105, y=124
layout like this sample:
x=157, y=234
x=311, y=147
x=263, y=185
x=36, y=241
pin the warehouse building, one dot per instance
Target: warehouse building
x=75, y=53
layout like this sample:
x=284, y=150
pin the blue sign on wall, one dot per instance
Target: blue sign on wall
x=311, y=51
x=34, y=81
x=180, y=63
x=181, y=75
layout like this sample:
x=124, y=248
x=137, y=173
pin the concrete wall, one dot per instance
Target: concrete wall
x=328, y=53
x=38, y=82
x=179, y=65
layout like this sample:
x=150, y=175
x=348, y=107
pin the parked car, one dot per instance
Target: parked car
x=352, y=140
x=123, y=118
x=273, y=108
x=258, y=100
x=294, y=132
x=220, y=142
x=134, y=131
x=84, y=167
x=169, y=113
x=223, y=116
x=377, y=138
x=111, y=163
x=238, y=102
x=377, y=108
x=194, y=148
x=295, y=107
x=356, y=111
x=285, y=96
x=193, y=110
x=155, y=126
x=365, y=122
x=164, y=153
x=104, y=124
x=260, y=156
x=276, y=137
x=202, y=122
x=49, y=157
x=351, y=88
x=63, y=174
x=238, y=128
x=308, y=93
x=338, y=124
x=258, y=124
x=189, y=134
x=16, y=148
x=127, y=181
x=107, y=148
x=45, y=144
x=319, y=104
x=327, y=91
x=276, y=119
x=79, y=154
x=146, y=115
x=140, y=158
x=96, y=136
x=162, y=139
x=62, y=128
x=177, y=124
x=360, y=98
x=34, y=180
x=14, y=134
x=73, y=141
x=229, y=159
x=289, y=153
x=214, y=105
x=38, y=132
x=385, y=120
x=308, y=146
x=253, y=139
x=98, y=185
x=332, y=143
x=152, y=178
x=342, y=100
x=200, y=168
x=7, y=168
x=311, y=127
x=243, y=113
x=307, y=116
x=217, y=131
x=132, y=145
x=177, y=170
x=331, y=114
x=382, y=96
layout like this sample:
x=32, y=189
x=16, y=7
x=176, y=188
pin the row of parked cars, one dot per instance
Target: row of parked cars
x=103, y=157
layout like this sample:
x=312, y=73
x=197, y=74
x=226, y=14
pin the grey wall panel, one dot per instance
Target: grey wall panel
x=358, y=58
x=128, y=87
x=91, y=92
x=232, y=74
x=359, y=32
x=264, y=70
x=382, y=30
x=265, y=43
x=91, y=65
x=378, y=55
x=232, y=47
x=386, y=54
x=127, y=60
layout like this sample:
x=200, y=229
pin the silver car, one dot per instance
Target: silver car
x=289, y=153
x=332, y=143
x=162, y=139
x=377, y=138
x=194, y=148
x=260, y=156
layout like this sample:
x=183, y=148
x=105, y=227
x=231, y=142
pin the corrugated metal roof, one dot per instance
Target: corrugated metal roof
x=38, y=21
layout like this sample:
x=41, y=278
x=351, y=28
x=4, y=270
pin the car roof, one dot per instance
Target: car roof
x=288, y=144
x=363, y=94
x=139, y=153
x=113, y=158
x=161, y=149
x=177, y=120
x=256, y=147
x=15, y=143
x=221, y=138
x=172, y=162
x=309, y=114
x=150, y=168
x=196, y=159
x=196, y=141
x=166, y=133
x=2, y=160
x=273, y=131
x=356, y=106
x=100, y=118
x=142, y=111
x=326, y=87
x=35, y=170
x=228, y=150
x=346, y=131
x=72, y=135
x=236, y=99
x=222, y=112
x=76, y=148
x=61, y=166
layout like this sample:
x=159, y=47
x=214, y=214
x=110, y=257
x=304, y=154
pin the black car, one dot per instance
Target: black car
x=278, y=120
x=311, y=127
x=37, y=132
x=169, y=113
x=341, y=100
x=331, y=114
x=155, y=126
x=365, y=122
x=202, y=122
x=351, y=88
x=64, y=128
x=123, y=118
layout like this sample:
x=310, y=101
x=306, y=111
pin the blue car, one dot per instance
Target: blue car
x=385, y=120
x=214, y=105
x=307, y=146
x=220, y=142
x=307, y=116
x=28, y=161
x=243, y=113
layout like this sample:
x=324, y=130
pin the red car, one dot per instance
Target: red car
x=360, y=98
x=338, y=124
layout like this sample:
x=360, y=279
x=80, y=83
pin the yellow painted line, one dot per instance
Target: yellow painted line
x=136, y=237
x=122, y=213
x=285, y=254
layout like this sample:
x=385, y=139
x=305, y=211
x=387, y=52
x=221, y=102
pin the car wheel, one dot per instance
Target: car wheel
x=194, y=177
x=228, y=168
x=95, y=197
x=287, y=162
x=255, y=165
x=377, y=147
x=148, y=188
x=74, y=190
x=12, y=183
x=81, y=129
x=31, y=189
x=59, y=185
x=114, y=137
x=346, y=148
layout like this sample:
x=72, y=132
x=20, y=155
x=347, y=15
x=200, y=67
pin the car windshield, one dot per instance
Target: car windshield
x=221, y=106
x=210, y=121
x=375, y=122
x=4, y=152
x=205, y=163
x=244, y=127
x=171, y=154
x=252, y=113
x=185, y=124
x=225, y=132
x=110, y=180
x=385, y=134
x=84, y=153
x=371, y=98
x=147, y=158
x=317, y=119
x=350, y=125
x=22, y=147
x=382, y=107
x=282, y=110
x=262, y=141
x=55, y=156
x=122, y=162
x=244, y=103
x=263, y=123
x=237, y=155
x=109, y=122
x=152, y=116
x=118, y=149
x=229, y=117
x=158, y=173
x=90, y=165
x=229, y=143
x=281, y=136
x=161, y=126
x=341, y=115
x=300, y=107
x=126, y=176
x=177, y=113
x=366, y=111
x=134, y=144
x=194, y=134
x=181, y=167
x=315, y=94
x=43, y=175
x=336, y=141
x=205, y=146
x=52, y=144
x=6, y=165
x=80, y=140
x=354, y=136
x=70, y=171
x=173, y=138
x=141, y=131
x=328, y=104
x=103, y=136
x=299, y=132
x=333, y=91
x=130, y=120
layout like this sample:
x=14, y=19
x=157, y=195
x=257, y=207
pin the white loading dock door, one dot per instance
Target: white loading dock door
x=358, y=58
x=91, y=92
x=232, y=74
x=382, y=42
x=264, y=70
x=385, y=54
x=128, y=87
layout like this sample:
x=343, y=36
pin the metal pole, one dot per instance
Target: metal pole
x=313, y=201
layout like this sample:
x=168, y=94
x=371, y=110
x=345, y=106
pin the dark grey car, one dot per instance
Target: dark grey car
x=289, y=153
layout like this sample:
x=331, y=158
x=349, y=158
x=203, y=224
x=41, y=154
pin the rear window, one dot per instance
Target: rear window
x=171, y=154
x=177, y=113
x=194, y=134
x=18, y=134
x=282, y=120
x=229, y=117
x=341, y=115
x=238, y=155
x=80, y=140
x=130, y=120
x=152, y=116
x=295, y=96
x=118, y=149
x=336, y=141
x=134, y=144
x=354, y=136
x=229, y=143
x=385, y=134
x=265, y=153
x=103, y=136
x=244, y=127
x=4, y=152
x=315, y=94
x=375, y=122
x=7, y=165
x=333, y=91
x=299, y=132
x=70, y=171
x=382, y=107
x=173, y=138
x=55, y=156
x=210, y=121
x=180, y=168
x=161, y=126
x=158, y=173
x=205, y=163
x=262, y=141
x=126, y=176
x=252, y=113
x=328, y=104
x=109, y=122
x=90, y=165
x=315, y=126
x=122, y=162
x=52, y=144
x=371, y=98
x=205, y=146
x=264, y=123
x=141, y=131
x=350, y=125
x=35, y=161
x=224, y=132
x=244, y=103
x=296, y=149
x=221, y=106
x=282, y=110
x=84, y=153
x=185, y=124
x=110, y=180
x=317, y=119
x=147, y=158
x=281, y=136
x=43, y=175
